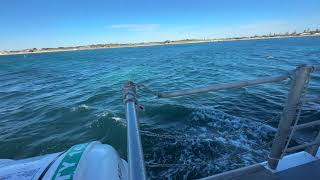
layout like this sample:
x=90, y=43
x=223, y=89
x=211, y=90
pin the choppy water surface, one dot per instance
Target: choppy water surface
x=51, y=101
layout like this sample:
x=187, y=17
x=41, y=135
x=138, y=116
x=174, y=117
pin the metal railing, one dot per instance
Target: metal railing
x=217, y=87
x=135, y=153
x=290, y=115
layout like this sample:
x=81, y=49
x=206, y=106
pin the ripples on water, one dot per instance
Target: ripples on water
x=48, y=102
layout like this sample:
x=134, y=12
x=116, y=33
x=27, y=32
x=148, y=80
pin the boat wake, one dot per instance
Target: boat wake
x=200, y=141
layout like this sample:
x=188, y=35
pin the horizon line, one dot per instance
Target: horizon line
x=270, y=34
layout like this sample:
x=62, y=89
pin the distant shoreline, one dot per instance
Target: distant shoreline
x=110, y=46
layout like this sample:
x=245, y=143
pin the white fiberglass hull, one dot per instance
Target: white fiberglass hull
x=83, y=161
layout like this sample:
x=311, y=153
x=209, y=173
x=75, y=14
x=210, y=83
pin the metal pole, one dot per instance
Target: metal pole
x=135, y=154
x=299, y=80
x=217, y=87
x=306, y=125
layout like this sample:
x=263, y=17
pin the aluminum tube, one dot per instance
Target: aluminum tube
x=217, y=87
x=135, y=152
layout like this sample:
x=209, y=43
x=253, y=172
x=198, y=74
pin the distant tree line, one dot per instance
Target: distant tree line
x=294, y=33
x=108, y=45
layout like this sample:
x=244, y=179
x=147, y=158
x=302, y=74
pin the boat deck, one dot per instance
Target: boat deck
x=295, y=166
x=308, y=171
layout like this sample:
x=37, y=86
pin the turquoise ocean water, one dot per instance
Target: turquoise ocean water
x=51, y=101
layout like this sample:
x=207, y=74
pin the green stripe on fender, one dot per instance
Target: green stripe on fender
x=69, y=163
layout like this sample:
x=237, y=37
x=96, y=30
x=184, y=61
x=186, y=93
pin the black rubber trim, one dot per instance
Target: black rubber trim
x=49, y=165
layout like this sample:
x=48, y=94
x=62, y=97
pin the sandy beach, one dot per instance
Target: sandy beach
x=106, y=46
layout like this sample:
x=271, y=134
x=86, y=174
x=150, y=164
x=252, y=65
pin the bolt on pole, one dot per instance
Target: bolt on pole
x=298, y=82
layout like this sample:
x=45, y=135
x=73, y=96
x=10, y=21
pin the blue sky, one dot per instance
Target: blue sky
x=54, y=23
